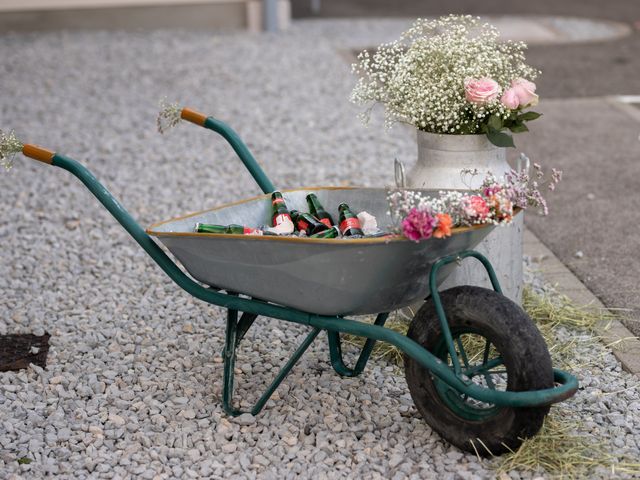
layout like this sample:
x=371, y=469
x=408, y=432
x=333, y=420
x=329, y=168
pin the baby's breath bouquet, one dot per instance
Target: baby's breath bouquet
x=450, y=76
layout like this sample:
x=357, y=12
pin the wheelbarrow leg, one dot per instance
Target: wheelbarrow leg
x=246, y=320
x=230, y=362
x=243, y=325
x=335, y=351
x=235, y=331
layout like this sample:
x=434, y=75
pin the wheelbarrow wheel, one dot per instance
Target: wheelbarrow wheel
x=498, y=347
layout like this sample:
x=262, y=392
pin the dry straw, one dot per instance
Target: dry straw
x=560, y=449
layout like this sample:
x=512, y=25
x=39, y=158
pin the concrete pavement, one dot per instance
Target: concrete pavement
x=623, y=343
x=594, y=224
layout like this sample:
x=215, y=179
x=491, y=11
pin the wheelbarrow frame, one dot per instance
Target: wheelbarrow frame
x=250, y=308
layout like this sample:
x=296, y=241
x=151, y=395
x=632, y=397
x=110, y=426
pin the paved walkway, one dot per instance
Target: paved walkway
x=594, y=225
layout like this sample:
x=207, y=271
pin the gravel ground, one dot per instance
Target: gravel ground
x=134, y=380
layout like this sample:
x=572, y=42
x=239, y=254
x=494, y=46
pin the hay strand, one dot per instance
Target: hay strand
x=560, y=449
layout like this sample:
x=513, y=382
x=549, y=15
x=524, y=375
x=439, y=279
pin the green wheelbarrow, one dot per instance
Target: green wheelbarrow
x=478, y=370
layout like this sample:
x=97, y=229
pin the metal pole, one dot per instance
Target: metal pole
x=270, y=9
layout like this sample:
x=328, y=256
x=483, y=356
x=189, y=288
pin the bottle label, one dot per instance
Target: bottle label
x=326, y=221
x=302, y=225
x=251, y=231
x=275, y=201
x=348, y=223
x=278, y=219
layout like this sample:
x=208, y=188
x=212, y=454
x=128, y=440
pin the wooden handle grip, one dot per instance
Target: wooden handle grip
x=193, y=116
x=38, y=153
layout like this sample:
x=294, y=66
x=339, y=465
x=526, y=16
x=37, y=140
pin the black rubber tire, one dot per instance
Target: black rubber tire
x=526, y=360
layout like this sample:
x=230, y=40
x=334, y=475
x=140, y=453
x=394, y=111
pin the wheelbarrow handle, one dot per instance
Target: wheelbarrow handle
x=152, y=248
x=38, y=153
x=236, y=143
x=174, y=272
x=192, y=116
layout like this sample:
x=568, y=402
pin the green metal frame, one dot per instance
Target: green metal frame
x=334, y=325
x=335, y=351
x=435, y=295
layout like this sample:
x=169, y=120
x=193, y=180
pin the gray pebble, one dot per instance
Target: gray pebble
x=245, y=419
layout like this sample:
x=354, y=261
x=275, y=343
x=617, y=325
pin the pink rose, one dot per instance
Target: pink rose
x=510, y=99
x=525, y=91
x=418, y=224
x=481, y=90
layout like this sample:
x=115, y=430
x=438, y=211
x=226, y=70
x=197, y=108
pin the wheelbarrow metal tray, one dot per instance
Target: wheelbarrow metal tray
x=321, y=276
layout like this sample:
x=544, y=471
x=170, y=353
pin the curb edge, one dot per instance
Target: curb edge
x=624, y=345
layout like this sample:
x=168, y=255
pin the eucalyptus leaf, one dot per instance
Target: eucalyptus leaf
x=518, y=128
x=500, y=139
x=528, y=116
x=495, y=123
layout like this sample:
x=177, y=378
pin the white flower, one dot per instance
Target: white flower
x=420, y=77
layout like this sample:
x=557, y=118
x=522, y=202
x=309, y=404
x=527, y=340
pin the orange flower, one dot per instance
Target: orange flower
x=503, y=208
x=444, y=225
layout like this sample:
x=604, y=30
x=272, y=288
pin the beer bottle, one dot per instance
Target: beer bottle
x=332, y=232
x=210, y=228
x=349, y=223
x=279, y=210
x=317, y=210
x=228, y=229
x=307, y=223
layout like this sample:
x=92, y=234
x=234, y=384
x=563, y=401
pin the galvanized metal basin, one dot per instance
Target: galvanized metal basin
x=321, y=276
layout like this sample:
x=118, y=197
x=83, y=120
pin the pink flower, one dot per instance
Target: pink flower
x=481, y=90
x=491, y=190
x=510, y=99
x=525, y=91
x=476, y=208
x=418, y=225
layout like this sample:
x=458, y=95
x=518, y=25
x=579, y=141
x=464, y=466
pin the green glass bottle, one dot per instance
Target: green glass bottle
x=279, y=210
x=349, y=223
x=306, y=223
x=317, y=210
x=209, y=228
x=332, y=232
x=227, y=229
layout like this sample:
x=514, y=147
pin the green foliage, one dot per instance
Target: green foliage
x=518, y=128
x=514, y=123
x=500, y=139
x=528, y=116
x=495, y=123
